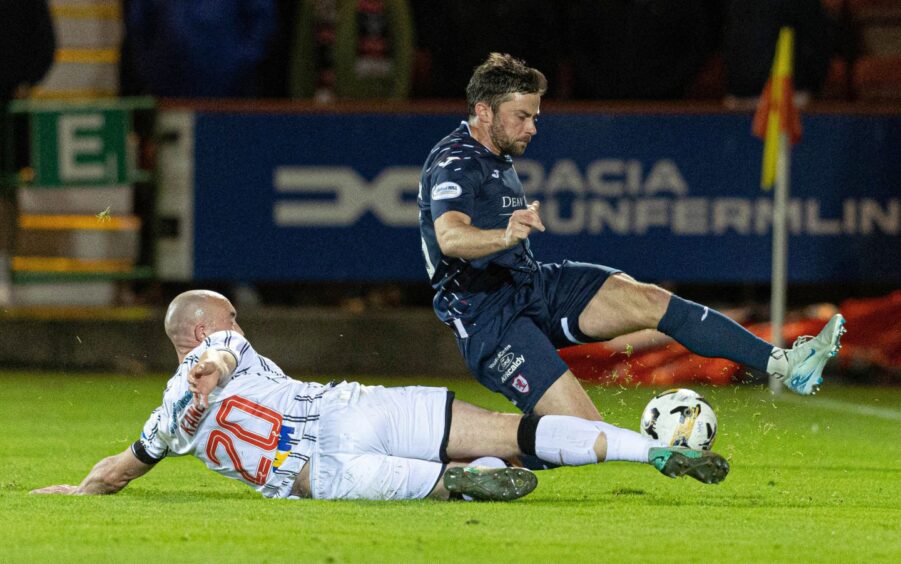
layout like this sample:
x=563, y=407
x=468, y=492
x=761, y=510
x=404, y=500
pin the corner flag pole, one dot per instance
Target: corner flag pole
x=777, y=122
x=779, y=283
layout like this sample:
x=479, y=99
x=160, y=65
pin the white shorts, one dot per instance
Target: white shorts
x=380, y=443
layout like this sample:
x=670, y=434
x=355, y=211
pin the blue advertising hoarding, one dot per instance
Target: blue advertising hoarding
x=665, y=197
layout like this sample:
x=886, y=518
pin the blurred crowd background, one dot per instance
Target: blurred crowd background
x=589, y=49
x=328, y=50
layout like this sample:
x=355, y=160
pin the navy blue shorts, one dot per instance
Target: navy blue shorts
x=514, y=352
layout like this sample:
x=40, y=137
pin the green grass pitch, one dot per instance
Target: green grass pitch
x=813, y=479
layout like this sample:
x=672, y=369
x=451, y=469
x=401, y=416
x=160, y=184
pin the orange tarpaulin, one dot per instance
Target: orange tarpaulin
x=873, y=341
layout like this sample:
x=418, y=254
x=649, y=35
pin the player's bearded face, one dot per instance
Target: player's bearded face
x=505, y=143
x=513, y=124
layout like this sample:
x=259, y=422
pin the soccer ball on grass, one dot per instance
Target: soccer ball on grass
x=680, y=417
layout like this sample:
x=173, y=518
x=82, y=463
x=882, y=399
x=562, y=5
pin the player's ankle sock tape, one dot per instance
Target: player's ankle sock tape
x=709, y=333
x=564, y=440
x=625, y=445
x=525, y=435
x=777, y=364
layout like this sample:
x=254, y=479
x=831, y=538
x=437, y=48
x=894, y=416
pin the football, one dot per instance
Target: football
x=680, y=417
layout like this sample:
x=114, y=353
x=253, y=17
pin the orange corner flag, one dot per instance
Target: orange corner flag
x=776, y=112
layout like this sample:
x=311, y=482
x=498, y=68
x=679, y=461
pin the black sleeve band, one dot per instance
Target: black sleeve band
x=140, y=453
x=448, y=415
x=525, y=435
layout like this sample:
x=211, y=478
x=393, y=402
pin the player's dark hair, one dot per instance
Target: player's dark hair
x=498, y=78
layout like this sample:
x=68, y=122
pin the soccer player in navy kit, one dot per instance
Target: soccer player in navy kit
x=509, y=312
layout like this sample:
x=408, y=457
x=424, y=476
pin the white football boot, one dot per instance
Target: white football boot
x=809, y=355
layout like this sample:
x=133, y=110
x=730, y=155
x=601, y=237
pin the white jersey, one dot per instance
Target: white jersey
x=260, y=427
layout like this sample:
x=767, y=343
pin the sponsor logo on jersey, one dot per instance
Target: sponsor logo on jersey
x=448, y=161
x=191, y=419
x=284, y=445
x=521, y=384
x=177, y=408
x=446, y=191
x=511, y=202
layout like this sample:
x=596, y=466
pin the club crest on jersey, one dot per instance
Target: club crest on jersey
x=446, y=191
x=521, y=384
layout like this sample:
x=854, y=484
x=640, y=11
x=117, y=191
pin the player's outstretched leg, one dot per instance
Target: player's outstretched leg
x=572, y=441
x=569, y=441
x=702, y=465
x=803, y=370
x=489, y=484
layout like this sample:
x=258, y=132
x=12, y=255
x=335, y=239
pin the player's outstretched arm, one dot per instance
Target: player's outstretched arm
x=458, y=238
x=213, y=369
x=107, y=477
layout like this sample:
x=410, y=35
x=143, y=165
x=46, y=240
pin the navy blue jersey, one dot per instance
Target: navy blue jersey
x=462, y=175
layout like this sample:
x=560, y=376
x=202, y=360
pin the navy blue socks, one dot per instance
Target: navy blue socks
x=709, y=333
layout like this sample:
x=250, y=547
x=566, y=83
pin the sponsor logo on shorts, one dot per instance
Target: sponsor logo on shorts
x=499, y=356
x=514, y=366
x=446, y=191
x=521, y=384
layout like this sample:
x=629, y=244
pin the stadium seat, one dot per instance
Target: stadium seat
x=878, y=78
x=836, y=86
x=877, y=71
x=710, y=82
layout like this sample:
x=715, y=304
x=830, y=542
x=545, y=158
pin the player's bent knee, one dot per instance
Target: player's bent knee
x=623, y=305
x=656, y=300
x=567, y=397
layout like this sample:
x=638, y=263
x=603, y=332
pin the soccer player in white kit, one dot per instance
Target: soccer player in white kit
x=244, y=418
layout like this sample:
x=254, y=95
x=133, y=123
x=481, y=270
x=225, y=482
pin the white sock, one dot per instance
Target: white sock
x=626, y=445
x=777, y=365
x=485, y=462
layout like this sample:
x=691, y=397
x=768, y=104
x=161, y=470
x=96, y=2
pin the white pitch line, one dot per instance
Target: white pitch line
x=847, y=407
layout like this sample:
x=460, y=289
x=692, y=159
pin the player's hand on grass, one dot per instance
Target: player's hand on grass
x=522, y=223
x=64, y=489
